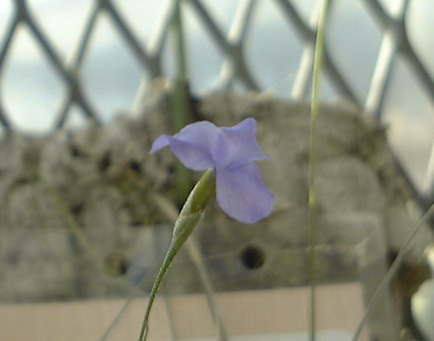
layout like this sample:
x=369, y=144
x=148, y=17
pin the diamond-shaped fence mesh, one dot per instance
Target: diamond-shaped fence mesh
x=231, y=49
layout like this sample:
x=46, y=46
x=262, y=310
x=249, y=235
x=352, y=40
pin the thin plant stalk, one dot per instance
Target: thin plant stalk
x=313, y=206
x=78, y=233
x=170, y=211
x=180, y=98
x=188, y=219
x=392, y=271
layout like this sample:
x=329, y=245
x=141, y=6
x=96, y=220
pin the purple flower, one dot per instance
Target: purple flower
x=241, y=192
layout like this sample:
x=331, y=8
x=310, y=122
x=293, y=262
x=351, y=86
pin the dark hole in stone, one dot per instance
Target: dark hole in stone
x=104, y=163
x=252, y=257
x=75, y=152
x=116, y=264
x=135, y=166
x=124, y=267
x=77, y=209
x=136, y=223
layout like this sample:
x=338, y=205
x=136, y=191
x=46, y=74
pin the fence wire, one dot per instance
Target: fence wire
x=234, y=69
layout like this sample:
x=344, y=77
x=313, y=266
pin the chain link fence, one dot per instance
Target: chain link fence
x=230, y=43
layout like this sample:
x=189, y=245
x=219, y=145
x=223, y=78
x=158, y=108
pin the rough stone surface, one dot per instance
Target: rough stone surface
x=74, y=201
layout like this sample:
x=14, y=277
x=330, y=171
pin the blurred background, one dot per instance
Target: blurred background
x=378, y=57
x=64, y=63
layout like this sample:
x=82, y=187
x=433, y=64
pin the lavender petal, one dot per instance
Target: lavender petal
x=240, y=145
x=242, y=193
x=191, y=155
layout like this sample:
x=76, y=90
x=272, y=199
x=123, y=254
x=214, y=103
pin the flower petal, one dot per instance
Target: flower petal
x=161, y=142
x=242, y=194
x=192, y=156
x=201, y=134
x=240, y=145
x=193, y=145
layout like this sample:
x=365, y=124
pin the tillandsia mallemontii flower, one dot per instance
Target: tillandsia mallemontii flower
x=231, y=152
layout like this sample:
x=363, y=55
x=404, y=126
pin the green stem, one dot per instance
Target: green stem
x=78, y=233
x=392, y=271
x=186, y=222
x=317, y=67
x=180, y=98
